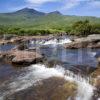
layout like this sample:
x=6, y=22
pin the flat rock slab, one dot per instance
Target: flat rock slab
x=91, y=41
x=21, y=57
x=25, y=57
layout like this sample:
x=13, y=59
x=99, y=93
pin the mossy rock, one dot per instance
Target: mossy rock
x=54, y=88
x=96, y=73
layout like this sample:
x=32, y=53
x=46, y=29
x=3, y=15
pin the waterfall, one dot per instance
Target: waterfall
x=40, y=72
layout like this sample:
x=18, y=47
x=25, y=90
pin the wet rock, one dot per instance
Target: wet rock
x=8, y=36
x=96, y=73
x=26, y=58
x=52, y=63
x=96, y=81
x=97, y=88
x=98, y=58
x=49, y=89
x=82, y=44
x=22, y=46
x=76, y=45
x=21, y=57
x=83, y=70
x=92, y=41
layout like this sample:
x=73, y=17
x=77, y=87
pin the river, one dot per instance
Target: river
x=14, y=79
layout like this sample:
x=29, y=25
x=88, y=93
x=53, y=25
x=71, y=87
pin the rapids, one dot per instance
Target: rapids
x=51, y=41
x=40, y=72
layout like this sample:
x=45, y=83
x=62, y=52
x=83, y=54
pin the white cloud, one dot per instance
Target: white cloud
x=69, y=4
x=39, y=2
x=95, y=3
x=66, y=4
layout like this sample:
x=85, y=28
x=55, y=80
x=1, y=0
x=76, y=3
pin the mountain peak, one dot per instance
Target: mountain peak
x=55, y=12
x=30, y=11
x=26, y=10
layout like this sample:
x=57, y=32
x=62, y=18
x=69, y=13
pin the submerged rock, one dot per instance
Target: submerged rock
x=54, y=88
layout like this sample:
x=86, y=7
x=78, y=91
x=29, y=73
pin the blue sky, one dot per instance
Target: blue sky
x=67, y=7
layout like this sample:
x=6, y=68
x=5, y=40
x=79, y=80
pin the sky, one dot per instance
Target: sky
x=66, y=7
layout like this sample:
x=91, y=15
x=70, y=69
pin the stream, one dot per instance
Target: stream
x=14, y=79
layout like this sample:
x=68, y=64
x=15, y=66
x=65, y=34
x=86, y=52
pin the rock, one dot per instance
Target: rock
x=17, y=40
x=96, y=73
x=25, y=57
x=53, y=63
x=76, y=45
x=54, y=88
x=19, y=57
x=22, y=46
x=96, y=82
x=1, y=36
x=81, y=44
x=92, y=41
x=98, y=58
x=8, y=36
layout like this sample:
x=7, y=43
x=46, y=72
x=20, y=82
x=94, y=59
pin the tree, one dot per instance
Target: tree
x=82, y=28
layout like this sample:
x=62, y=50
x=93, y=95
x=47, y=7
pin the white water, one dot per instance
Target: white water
x=39, y=72
x=92, y=54
x=55, y=42
x=52, y=42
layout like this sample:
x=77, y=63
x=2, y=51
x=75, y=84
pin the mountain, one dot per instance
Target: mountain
x=31, y=18
x=27, y=11
x=55, y=12
x=25, y=15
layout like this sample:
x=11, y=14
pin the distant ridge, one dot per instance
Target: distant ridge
x=37, y=19
x=55, y=12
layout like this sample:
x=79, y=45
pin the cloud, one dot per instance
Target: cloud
x=68, y=4
x=40, y=2
x=95, y=4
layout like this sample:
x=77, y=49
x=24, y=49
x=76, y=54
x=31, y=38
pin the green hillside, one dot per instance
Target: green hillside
x=30, y=19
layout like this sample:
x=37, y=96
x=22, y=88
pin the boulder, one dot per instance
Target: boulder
x=98, y=58
x=85, y=42
x=76, y=45
x=17, y=40
x=19, y=57
x=96, y=81
x=22, y=46
x=25, y=57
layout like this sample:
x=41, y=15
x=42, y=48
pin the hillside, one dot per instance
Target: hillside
x=32, y=19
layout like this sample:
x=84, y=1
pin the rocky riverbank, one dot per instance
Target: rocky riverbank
x=91, y=41
x=21, y=39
